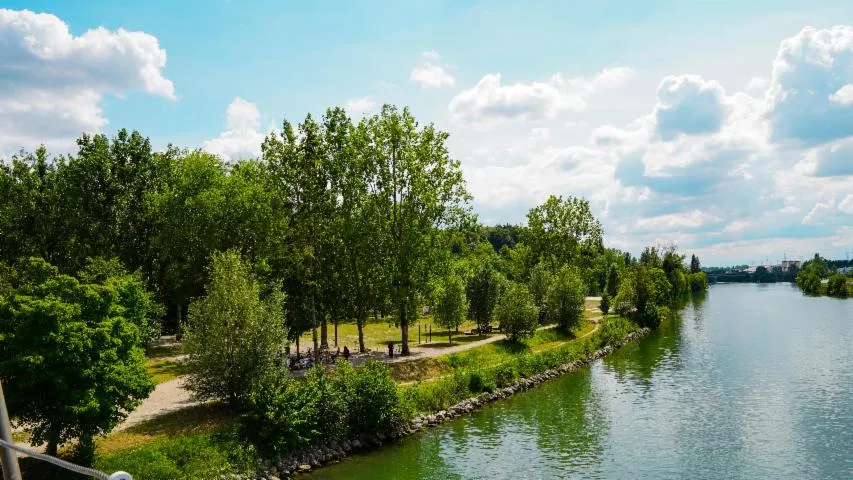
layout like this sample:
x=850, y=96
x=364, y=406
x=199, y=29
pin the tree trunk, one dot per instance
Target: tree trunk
x=449, y=337
x=52, y=444
x=314, y=329
x=404, y=326
x=360, y=321
x=336, y=333
x=297, y=346
x=324, y=332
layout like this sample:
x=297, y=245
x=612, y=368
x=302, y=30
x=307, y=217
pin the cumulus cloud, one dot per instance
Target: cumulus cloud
x=809, y=94
x=431, y=72
x=757, y=83
x=52, y=82
x=690, y=105
x=834, y=159
x=358, y=106
x=846, y=205
x=491, y=98
x=242, y=137
x=691, y=219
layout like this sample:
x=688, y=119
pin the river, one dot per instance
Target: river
x=752, y=381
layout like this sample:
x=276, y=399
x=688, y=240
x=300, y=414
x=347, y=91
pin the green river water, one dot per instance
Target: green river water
x=753, y=381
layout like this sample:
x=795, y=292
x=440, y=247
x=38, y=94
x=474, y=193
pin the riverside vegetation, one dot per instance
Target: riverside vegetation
x=336, y=223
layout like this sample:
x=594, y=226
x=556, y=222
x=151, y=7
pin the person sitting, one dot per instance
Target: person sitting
x=346, y=352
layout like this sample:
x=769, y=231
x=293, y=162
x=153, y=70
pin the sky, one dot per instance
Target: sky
x=725, y=127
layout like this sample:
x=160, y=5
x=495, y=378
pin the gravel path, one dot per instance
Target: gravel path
x=166, y=397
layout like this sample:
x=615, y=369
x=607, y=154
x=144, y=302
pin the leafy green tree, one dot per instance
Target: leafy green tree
x=809, y=282
x=641, y=292
x=70, y=358
x=604, y=305
x=762, y=275
x=451, y=305
x=233, y=336
x=694, y=264
x=516, y=313
x=565, y=299
x=651, y=258
x=837, y=286
x=698, y=282
x=612, y=281
x=483, y=290
x=539, y=285
x=563, y=231
x=420, y=190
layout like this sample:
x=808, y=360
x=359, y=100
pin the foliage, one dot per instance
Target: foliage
x=563, y=231
x=483, y=290
x=516, y=313
x=539, y=285
x=604, y=305
x=612, y=281
x=565, y=299
x=837, y=286
x=285, y=415
x=641, y=292
x=695, y=267
x=70, y=358
x=233, y=336
x=451, y=305
x=698, y=282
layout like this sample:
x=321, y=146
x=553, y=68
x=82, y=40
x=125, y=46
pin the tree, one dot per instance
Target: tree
x=451, y=305
x=604, y=305
x=612, y=281
x=698, y=282
x=563, y=231
x=421, y=190
x=565, y=299
x=762, y=275
x=641, y=292
x=516, y=313
x=694, y=264
x=540, y=283
x=809, y=282
x=483, y=290
x=70, y=358
x=837, y=286
x=233, y=336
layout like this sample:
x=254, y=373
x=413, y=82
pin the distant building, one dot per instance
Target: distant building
x=845, y=270
x=787, y=264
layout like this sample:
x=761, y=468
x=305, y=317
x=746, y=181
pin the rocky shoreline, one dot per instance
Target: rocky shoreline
x=314, y=457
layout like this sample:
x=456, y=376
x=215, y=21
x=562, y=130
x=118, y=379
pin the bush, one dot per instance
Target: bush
x=478, y=382
x=516, y=313
x=371, y=395
x=505, y=374
x=837, y=286
x=698, y=282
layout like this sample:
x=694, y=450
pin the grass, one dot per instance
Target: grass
x=378, y=332
x=165, y=369
x=168, y=350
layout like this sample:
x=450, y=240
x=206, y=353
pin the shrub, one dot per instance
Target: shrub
x=280, y=416
x=698, y=282
x=837, y=286
x=372, y=399
x=505, y=374
x=479, y=382
x=516, y=313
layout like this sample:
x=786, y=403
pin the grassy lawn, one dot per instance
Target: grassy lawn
x=483, y=356
x=169, y=350
x=164, y=369
x=378, y=332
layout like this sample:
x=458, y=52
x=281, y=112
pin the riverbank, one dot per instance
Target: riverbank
x=289, y=465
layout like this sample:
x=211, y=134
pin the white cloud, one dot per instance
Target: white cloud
x=818, y=213
x=833, y=159
x=242, y=137
x=757, y=84
x=843, y=96
x=431, y=72
x=738, y=226
x=691, y=219
x=807, y=95
x=492, y=99
x=846, y=205
x=539, y=133
x=52, y=82
x=689, y=105
x=358, y=106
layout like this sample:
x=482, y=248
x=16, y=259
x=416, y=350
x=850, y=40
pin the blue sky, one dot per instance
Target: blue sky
x=723, y=126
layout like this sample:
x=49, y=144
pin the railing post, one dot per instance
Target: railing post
x=11, y=470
